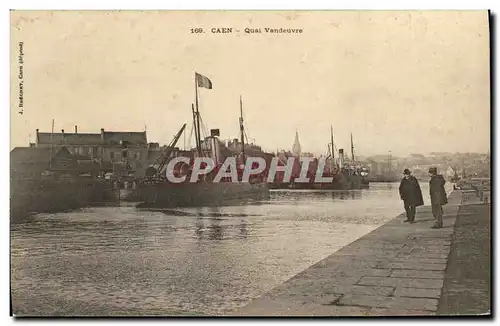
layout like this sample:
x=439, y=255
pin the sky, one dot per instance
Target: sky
x=405, y=82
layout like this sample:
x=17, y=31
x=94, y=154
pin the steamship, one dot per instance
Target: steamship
x=345, y=175
x=158, y=192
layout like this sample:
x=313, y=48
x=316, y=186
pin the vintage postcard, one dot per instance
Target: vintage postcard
x=250, y=163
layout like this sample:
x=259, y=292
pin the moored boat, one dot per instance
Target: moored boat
x=343, y=175
x=159, y=192
x=165, y=195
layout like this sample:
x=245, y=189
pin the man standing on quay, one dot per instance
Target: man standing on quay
x=438, y=196
x=410, y=193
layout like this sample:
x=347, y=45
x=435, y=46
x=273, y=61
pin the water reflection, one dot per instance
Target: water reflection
x=211, y=224
x=293, y=195
x=216, y=230
x=243, y=229
x=110, y=259
x=199, y=226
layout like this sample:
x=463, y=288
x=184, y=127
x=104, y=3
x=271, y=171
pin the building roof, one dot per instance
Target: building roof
x=110, y=138
x=135, y=138
x=40, y=155
x=48, y=138
x=33, y=154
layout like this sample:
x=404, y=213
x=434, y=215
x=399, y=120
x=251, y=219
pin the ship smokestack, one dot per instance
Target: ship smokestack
x=215, y=149
x=341, y=158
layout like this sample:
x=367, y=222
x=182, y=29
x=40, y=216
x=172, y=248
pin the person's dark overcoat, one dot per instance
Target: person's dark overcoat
x=410, y=192
x=437, y=191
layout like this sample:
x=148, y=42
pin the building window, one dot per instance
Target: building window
x=124, y=154
x=138, y=155
x=111, y=155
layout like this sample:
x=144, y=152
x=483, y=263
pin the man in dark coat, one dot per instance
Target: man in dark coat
x=411, y=194
x=438, y=196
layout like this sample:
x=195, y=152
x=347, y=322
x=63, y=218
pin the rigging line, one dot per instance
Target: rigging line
x=190, y=134
x=245, y=131
x=204, y=132
x=245, y=126
x=248, y=139
x=202, y=124
x=249, y=133
x=204, y=128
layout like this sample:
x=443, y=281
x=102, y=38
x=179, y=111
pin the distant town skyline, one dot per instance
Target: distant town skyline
x=290, y=149
x=405, y=82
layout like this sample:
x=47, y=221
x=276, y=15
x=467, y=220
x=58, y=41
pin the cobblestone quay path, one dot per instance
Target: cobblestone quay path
x=397, y=269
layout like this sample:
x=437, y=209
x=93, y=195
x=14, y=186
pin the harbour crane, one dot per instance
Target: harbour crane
x=162, y=160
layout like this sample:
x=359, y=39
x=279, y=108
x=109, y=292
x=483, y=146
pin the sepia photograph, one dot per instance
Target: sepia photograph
x=250, y=163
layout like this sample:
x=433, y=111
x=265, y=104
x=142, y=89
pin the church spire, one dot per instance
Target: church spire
x=296, y=145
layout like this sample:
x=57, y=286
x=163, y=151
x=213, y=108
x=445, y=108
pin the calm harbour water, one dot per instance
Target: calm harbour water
x=118, y=260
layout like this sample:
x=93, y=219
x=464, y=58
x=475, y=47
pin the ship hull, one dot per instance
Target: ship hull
x=130, y=195
x=341, y=182
x=201, y=194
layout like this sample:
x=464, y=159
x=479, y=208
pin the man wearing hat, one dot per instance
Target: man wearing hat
x=438, y=196
x=410, y=193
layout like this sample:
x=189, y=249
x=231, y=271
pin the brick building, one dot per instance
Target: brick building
x=119, y=152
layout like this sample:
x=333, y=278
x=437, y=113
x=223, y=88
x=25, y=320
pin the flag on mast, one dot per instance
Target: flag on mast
x=203, y=81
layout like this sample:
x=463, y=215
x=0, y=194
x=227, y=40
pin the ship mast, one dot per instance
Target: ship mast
x=197, y=118
x=242, y=132
x=198, y=149
x=333, y=147
x=199, y=81
x=389, y=163
x=51, y=144
x=352, y=149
